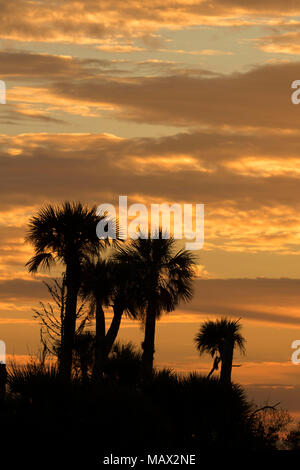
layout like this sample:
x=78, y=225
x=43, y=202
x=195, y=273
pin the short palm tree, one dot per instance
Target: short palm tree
x=106, y=282
x=163, y=278
x=65, y=234
x=219, y=338
x=124, y=299
x=97, y=287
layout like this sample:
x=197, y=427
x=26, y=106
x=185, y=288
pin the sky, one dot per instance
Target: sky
x=166, y=102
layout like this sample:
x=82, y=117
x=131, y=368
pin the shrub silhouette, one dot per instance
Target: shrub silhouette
x=122, y=413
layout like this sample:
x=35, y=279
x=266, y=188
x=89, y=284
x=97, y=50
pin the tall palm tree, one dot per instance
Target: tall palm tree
x=106, y=282
x=163, y=278
x=219, y=338
x=65, y=234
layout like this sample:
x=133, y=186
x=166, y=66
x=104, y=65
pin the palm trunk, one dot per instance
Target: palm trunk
x=113, y=329
x=67, y=343
x=100, y=343
x=214, y=367
x=148, y=345
x=227, y=358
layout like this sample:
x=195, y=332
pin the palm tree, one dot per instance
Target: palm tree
x=106, y=282
x=65, y=234
x=124, y=299
x=97, y=287
x=163, y=278
x=219, y=338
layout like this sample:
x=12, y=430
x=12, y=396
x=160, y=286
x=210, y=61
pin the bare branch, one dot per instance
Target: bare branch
x=266, y=407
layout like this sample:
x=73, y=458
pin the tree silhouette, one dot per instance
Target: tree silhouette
x=163, y=278
x=220, y=337
x=106, y=282
x=51, y=316
x=65, y=234
x=97, y=288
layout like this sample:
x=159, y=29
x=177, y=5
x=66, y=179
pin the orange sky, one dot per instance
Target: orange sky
x=176, y=101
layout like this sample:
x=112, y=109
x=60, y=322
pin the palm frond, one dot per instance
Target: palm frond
x=213, y=334
x=40, y=260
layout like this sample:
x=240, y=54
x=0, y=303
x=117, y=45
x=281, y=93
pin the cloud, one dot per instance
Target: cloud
x=120, y=48
x=21, y=290
x=270, y=301
x=92, y=21
x=22, y=112
x=23, y=64
x=96, y=168
x=205, y=52
x=266, y=301
x=259, y=98
x=286, y=43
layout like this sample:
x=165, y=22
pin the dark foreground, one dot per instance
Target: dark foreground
x=173, y=420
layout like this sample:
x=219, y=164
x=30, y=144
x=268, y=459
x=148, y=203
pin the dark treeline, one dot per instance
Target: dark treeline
x=92, y=395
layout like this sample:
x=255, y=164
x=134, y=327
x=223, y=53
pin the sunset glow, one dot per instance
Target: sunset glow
x=184, y=102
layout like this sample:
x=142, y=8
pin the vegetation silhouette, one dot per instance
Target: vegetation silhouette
x=163, y=278
x=83, y=353
x=219, y=338
x=51, y=316
x=106, y=282
x=292, y=440
x=102, y=396
x=65, y=234
x=125, y=415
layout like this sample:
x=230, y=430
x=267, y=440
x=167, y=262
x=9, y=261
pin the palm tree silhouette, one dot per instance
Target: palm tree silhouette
x=96, y=287
x=124, y=296
x=219, y=338
x=106, y=282
x=163, y=278
x=65, y=234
